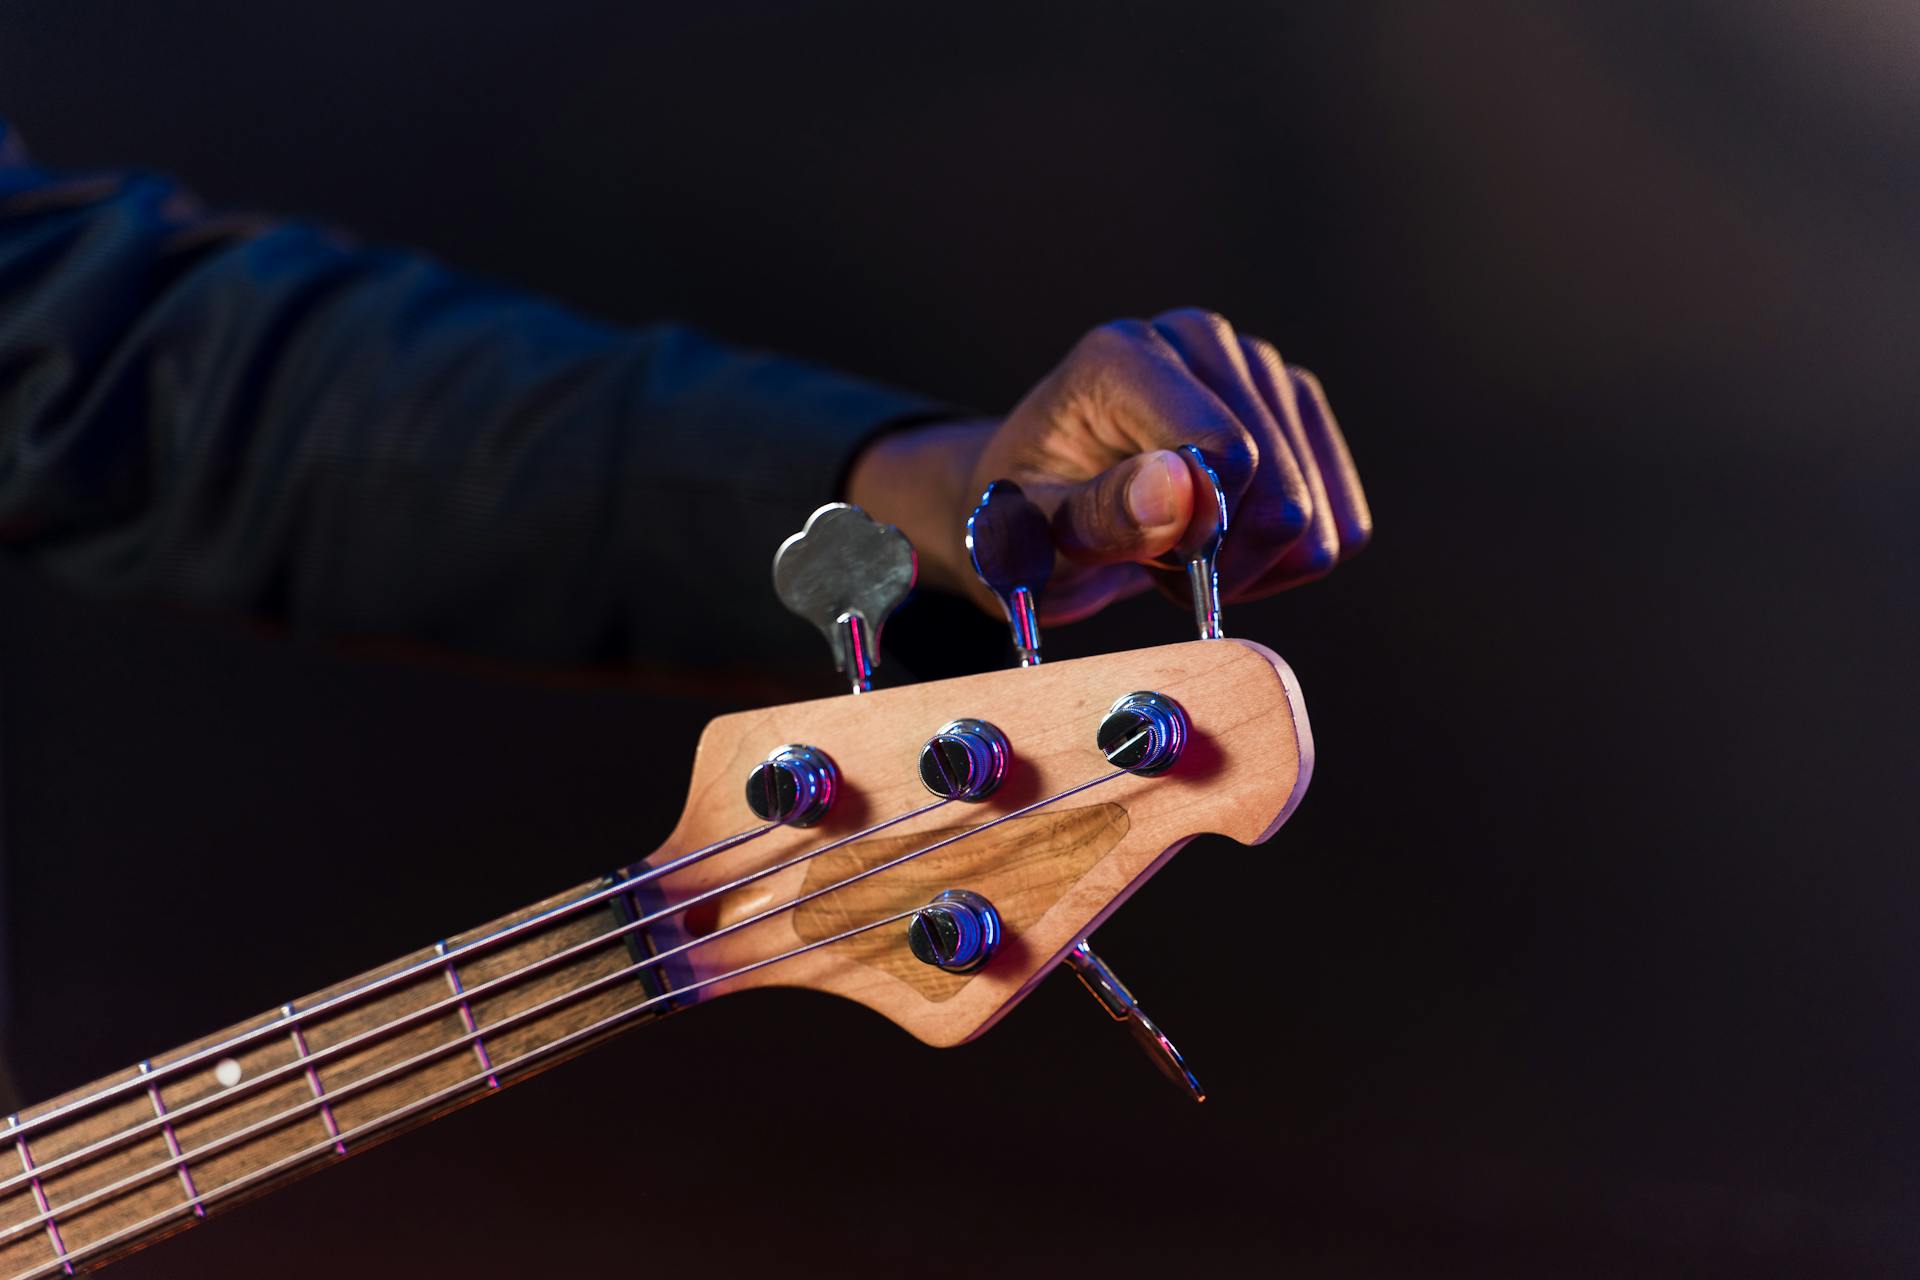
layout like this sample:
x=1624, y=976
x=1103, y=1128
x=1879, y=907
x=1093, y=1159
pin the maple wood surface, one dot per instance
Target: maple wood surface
x=1054, y=874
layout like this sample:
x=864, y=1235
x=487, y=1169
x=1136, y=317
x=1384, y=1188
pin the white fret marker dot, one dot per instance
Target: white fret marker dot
x=227, y=1072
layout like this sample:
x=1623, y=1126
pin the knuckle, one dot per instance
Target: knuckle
x=1237, y=463
x=1198, y=317
x=1307, y=380
x=1279, y=519
x=1320, y=557
x=1107, y=359
x=1262, y=352
x=1239, y=452
x=1293, y=515
x=1114, y=337
x=1356, y=536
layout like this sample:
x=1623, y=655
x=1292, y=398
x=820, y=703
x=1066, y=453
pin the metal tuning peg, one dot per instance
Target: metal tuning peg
x=1012, y=551
x=958, y=931
x=1122, y=1007
x=967, y=760
x=793, y=787
x=1200, y=557
x=846, y=573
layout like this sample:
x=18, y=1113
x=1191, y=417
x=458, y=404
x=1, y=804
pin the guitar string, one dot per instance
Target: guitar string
x=551, y=1046
x=286, y=1023
x=495, y=1028
x=418, y=1105
x=423, y=967
x=141, y=1177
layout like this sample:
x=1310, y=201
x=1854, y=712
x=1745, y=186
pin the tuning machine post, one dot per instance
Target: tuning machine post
x=1145, y=734
x=1199, y=555
x=1011, y=546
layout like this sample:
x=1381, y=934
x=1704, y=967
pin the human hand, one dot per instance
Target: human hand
x=1092, y=445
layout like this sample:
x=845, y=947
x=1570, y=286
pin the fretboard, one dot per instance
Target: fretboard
x=121, y=1162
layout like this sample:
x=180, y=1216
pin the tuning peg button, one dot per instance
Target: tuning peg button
x=1011, y=547
x=846, y=574
x=1200, y=554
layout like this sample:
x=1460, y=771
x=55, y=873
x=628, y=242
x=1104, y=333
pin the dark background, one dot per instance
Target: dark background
x=1590, y=951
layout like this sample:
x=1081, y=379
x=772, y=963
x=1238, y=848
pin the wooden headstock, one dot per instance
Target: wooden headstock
x=1053, y=874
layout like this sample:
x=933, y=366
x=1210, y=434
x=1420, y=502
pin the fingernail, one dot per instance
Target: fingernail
x=1150, y=499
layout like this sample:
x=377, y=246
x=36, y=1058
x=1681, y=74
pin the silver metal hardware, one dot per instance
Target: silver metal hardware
x=1144, y=733
x=794, y=786
x=145, y=1067
x=846, y=574
x=39, y=1195
x=1012, y=551
x=1200, y=557
x=958, y=931
x=459, y=988
x=300, y=1051
x=1122, y=1007
x=965, y=760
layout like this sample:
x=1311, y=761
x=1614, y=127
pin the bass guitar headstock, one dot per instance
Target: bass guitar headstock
x=932, y=851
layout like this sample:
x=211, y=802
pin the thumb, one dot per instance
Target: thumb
x=1134, y=510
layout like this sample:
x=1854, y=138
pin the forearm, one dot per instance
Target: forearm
x=272, y=422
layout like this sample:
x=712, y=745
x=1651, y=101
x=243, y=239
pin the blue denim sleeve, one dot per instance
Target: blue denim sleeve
x=267, y=419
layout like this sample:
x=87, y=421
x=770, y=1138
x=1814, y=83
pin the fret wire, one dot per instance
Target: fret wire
x=552, y=914
x=288, y=1162
x=466, y=1017
x=383, y=1074
x=173, y=1142
x=313, y=1080
x=288, y=1114
x=40, y=1196
x=450, y=1002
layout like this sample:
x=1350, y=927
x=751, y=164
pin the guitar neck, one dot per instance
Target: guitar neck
x=133, y=1157
x=854, y=892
